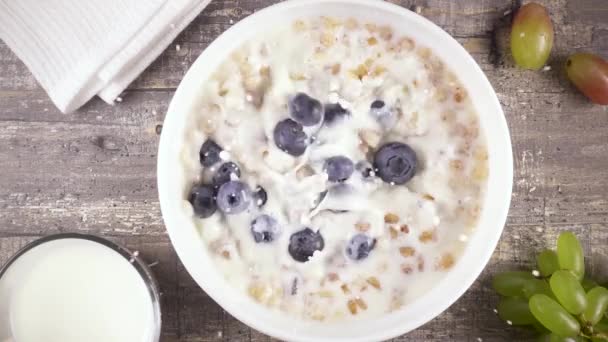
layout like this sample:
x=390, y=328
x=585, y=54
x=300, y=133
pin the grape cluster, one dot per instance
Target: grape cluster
x=556, y=299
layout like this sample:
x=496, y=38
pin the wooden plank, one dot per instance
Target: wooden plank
x=200, y=319
x=526, y=210
x=13, y=73
x=568, y=209
x=599, y=42
x=558, y=139
x=593, y=12
x=107, y=216
x=91, y=177
x=143, y=109
x=597, y=255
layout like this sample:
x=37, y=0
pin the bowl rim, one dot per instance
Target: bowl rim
x=257, y=316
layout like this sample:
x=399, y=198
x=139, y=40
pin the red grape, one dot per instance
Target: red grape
x=589, y=73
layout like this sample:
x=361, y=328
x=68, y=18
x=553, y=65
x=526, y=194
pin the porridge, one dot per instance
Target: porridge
x=336, y=169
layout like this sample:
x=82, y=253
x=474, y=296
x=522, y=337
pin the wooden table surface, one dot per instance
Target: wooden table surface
x=94, y=170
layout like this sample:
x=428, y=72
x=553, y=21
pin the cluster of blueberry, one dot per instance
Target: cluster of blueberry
x=393, y=162
x=226, y=192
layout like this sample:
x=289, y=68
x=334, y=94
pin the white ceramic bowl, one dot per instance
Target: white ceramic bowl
x=172, y=184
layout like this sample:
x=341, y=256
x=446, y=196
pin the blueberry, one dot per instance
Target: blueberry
x=209, y=153
x=233, y=197
x=202, y=198
x=305, y=110
x=383, y=114
x=360, y=246
x=264, y=229
x=333, y=112
x=289, y=136
x=260, y=196
x=224, y=173
x=338, y=168
x=304, y=243
x=395, y=162
x=377, y=104
x=365, y=168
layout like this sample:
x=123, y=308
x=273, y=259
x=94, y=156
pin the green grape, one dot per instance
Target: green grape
x=589, y=73
x=534, y=286
x=553, y=316
x=588, y=284
x=547, y=262
x=515, y=310
x=568, y=291
x=539, y=327
x=531, y=36
x=601, y=326
x=557, y=338
x=570, y=254
x=511, y=284
x=597, y=303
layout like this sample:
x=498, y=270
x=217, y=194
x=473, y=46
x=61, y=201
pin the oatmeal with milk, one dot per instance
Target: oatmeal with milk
x=337, y=169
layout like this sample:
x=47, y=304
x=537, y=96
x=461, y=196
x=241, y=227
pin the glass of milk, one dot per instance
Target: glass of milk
x=73, y=288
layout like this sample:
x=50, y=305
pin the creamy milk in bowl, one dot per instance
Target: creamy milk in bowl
x=331, y=162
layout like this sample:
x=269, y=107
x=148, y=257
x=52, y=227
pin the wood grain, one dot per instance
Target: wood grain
x=94, y=170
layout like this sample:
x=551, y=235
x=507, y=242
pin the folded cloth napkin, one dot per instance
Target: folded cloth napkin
x=77, y=49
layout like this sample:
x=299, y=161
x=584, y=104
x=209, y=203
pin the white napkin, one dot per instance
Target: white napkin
x=77, y=49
